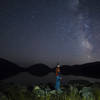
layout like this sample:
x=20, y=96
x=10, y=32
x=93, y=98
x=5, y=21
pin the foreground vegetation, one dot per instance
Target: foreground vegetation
x=74, y=90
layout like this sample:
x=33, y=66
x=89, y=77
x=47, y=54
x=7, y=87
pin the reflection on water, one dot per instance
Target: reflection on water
x=28, y=79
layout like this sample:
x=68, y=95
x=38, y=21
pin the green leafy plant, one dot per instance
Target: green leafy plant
x=87, y=93
x=73, y=91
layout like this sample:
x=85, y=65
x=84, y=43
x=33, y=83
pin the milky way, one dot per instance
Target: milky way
x=50, y=31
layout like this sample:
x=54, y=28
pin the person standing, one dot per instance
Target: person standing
x=58, y=78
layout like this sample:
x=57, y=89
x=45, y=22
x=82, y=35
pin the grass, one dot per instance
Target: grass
x=72, y=91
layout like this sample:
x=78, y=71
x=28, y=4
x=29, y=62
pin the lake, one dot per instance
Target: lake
x=26, y=78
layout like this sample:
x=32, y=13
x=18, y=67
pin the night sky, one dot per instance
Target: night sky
x=50, y=31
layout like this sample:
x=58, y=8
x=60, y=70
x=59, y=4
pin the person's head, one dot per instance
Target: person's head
x=58, y=65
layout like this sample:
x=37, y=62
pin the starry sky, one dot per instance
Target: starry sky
x=50, y=31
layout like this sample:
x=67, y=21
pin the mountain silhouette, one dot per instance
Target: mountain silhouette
x=8, y=69
x=88, y=70
x=39, y=69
